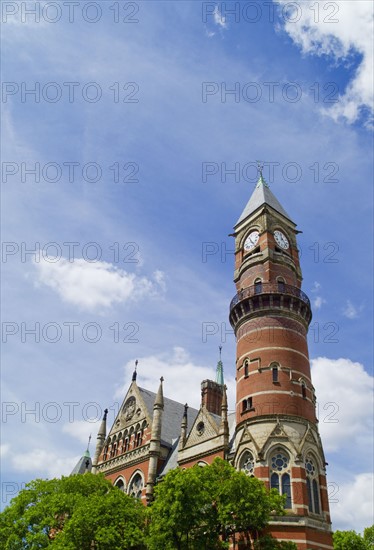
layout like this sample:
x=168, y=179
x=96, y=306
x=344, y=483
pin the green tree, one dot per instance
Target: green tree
x=82, y=512
x=195, y=508
x=369, y=537
x=348, y=540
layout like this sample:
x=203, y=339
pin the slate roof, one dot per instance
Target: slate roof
x=171, y=417
x=172, y=460
x=83, y=465
x=262, y=195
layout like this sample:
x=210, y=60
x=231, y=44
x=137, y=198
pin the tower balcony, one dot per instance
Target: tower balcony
x=276, y=298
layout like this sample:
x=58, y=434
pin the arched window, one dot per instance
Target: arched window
x=303, y=389
x=120, y=484
x=274, y=371
x=136, y=486
x=246, y=368
x=280, y=478
x=312, y=485
x=281, y=284
x=126, y=445
x=247, y=463
x=258, y=286
x=139, y=437
x=247, y=404
x=105, y=453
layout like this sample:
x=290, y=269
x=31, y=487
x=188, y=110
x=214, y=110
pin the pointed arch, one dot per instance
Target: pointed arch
x=247, y=462
x=312, y=483
x=280, y=473
x=246, y=368
x=120, y=483
x=275, y=372
x=136, y=484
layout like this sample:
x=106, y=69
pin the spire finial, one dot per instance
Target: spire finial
x=88, y=444
x=161, y=379
x=135, y=373
x=219, y=370
x=261, y=179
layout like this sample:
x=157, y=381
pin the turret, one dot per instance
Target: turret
x=101, y=435
x=184, y=427
x=155, y=443
x=276, y=435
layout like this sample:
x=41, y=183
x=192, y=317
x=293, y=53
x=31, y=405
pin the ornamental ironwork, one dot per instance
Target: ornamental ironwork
x=269, y=288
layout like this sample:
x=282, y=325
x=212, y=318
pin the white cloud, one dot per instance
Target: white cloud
x=316, y=286
x=96, y=285
x=81, y=430
x=338, y=29
x=4, y=449
x=350, y=311
x=318, y=302
x=182, y=376
x=358, y=492
x=345, y=398
x=43, y=462
x=219, y=19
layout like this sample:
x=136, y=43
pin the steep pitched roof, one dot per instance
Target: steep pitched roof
x=262, y=195
x=171, y=416
x=83, y=465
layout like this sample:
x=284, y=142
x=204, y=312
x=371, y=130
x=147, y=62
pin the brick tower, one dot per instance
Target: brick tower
x=276, y=437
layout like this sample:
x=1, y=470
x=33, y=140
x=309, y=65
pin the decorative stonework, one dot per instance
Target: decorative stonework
x=131, y=457
x=129, y=408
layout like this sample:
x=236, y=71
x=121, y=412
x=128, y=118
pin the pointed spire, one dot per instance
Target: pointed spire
x=101, y=435
x=83, y=465
x=261, y=179
x=134, y=374
x=261, y=195
x=159, y=401
x=219, y=369
x=155, y=443
x=224, y=427
x=184, y=427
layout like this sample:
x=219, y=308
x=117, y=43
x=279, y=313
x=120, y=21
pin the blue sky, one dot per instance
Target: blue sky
x=159, y=285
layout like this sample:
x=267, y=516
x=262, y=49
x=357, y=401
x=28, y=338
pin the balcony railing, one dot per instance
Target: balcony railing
x=260, y=289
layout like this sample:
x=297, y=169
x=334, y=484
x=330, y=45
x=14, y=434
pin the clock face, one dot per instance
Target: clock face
x=251, y=240
x=281, y=239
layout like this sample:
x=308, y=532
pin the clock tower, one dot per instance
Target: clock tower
x=276, y=436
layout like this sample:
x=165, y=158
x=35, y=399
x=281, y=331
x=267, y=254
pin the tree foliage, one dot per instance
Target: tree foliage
x=350, y=540
x=195, y=508
x=269, y=543
x=82, y=512
x=369, y=537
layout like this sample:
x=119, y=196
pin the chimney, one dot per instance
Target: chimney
x=211, y=396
